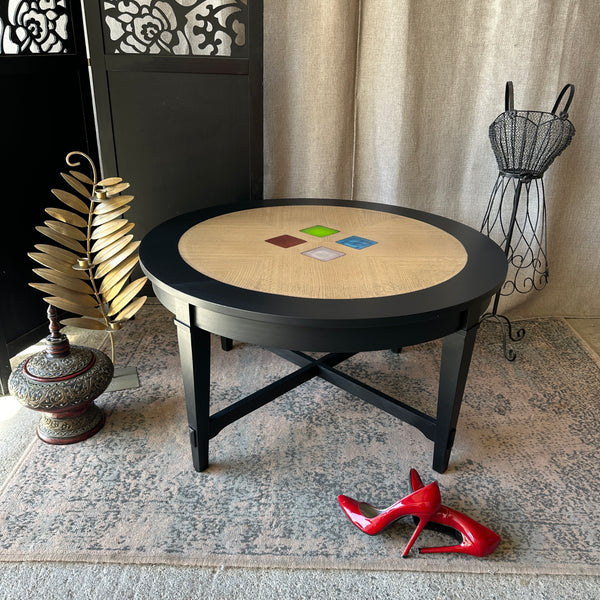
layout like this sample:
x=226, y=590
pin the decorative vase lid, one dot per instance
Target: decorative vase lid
x=59, y=362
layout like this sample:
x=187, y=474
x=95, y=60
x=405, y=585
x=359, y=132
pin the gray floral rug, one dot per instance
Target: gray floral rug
x=525, y=463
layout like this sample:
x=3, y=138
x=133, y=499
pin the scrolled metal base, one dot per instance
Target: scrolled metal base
x=507, y=331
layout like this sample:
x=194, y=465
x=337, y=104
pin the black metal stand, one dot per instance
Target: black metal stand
x=520, y=253
x=525, y=143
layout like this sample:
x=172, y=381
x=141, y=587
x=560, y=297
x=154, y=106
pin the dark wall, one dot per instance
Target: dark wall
x=46, y=112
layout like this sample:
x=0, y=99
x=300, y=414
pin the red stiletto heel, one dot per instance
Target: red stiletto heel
x=474, y=538
x=422, y=503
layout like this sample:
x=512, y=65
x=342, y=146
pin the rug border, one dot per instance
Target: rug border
x=16, y=467
x=477, y=566
x=584, y=344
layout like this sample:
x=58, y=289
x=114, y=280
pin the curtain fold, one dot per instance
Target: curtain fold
x=391, y=100
x=310, y=69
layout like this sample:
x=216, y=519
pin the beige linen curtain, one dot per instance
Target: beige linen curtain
x=391, y=100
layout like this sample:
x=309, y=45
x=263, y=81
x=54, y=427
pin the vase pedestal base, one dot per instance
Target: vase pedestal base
x=70, y=428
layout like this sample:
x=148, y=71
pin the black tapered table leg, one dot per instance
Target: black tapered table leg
x=194, y=352
x=457, y=350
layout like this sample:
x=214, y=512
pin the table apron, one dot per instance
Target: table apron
x=330, y=338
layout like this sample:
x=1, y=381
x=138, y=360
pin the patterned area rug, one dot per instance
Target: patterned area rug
x=525, y=463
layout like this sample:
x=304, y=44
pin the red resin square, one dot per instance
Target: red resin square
x=285, y=241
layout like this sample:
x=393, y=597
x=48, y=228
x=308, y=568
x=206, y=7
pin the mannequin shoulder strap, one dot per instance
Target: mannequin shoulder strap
x=563, y=113
x=509, y=101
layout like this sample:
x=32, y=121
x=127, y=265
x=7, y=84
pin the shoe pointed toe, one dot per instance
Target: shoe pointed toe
x=353, y=511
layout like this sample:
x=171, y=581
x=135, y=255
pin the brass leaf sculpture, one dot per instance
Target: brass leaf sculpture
x=88, y=273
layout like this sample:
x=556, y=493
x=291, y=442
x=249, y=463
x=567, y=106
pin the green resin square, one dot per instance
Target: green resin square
x=319, y=230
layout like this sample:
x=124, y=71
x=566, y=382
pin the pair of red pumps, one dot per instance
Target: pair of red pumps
x=424, y=503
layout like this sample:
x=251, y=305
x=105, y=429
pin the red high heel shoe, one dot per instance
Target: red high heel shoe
x=474, y=538
x=422, y=503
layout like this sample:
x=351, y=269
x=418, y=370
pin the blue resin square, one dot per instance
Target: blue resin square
x=356, y=242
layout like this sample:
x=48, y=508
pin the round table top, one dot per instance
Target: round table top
x=242, y=267
x=324, y=252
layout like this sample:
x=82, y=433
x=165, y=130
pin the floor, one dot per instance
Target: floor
x=18, y=581
x=589, y=330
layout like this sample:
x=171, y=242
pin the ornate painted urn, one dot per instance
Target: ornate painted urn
x=62, y=382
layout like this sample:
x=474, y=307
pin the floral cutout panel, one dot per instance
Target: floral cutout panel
x=35, y=27
x=176, y=27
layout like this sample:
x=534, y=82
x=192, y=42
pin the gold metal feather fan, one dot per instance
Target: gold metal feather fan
x=88, y=273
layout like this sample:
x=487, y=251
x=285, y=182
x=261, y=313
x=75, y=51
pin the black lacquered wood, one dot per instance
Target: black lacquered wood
x=194, y=351
x=450, y=310
x=309, y=324
x=324, y=365
x=183, y=127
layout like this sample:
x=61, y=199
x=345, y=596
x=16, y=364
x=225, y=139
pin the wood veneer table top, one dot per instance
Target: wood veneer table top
x=409, y=254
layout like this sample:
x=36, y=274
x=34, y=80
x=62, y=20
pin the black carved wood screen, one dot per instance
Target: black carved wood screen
x=177, y=102
x=45, y=111
x=178, y=92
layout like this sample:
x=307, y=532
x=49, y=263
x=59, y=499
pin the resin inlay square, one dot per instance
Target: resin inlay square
x=356, y=242
x=285, y=241
x=319, y=231
x=322, y=253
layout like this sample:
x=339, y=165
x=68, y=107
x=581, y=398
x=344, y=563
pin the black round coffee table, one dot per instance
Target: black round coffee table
x=318, y=275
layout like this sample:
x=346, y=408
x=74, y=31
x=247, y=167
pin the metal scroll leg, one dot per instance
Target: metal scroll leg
x=507, y=332
x=194, y=352
x=457, y=350
x=510, y=253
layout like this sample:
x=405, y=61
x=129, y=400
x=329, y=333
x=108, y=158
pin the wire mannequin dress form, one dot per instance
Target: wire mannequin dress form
x=525, y=143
